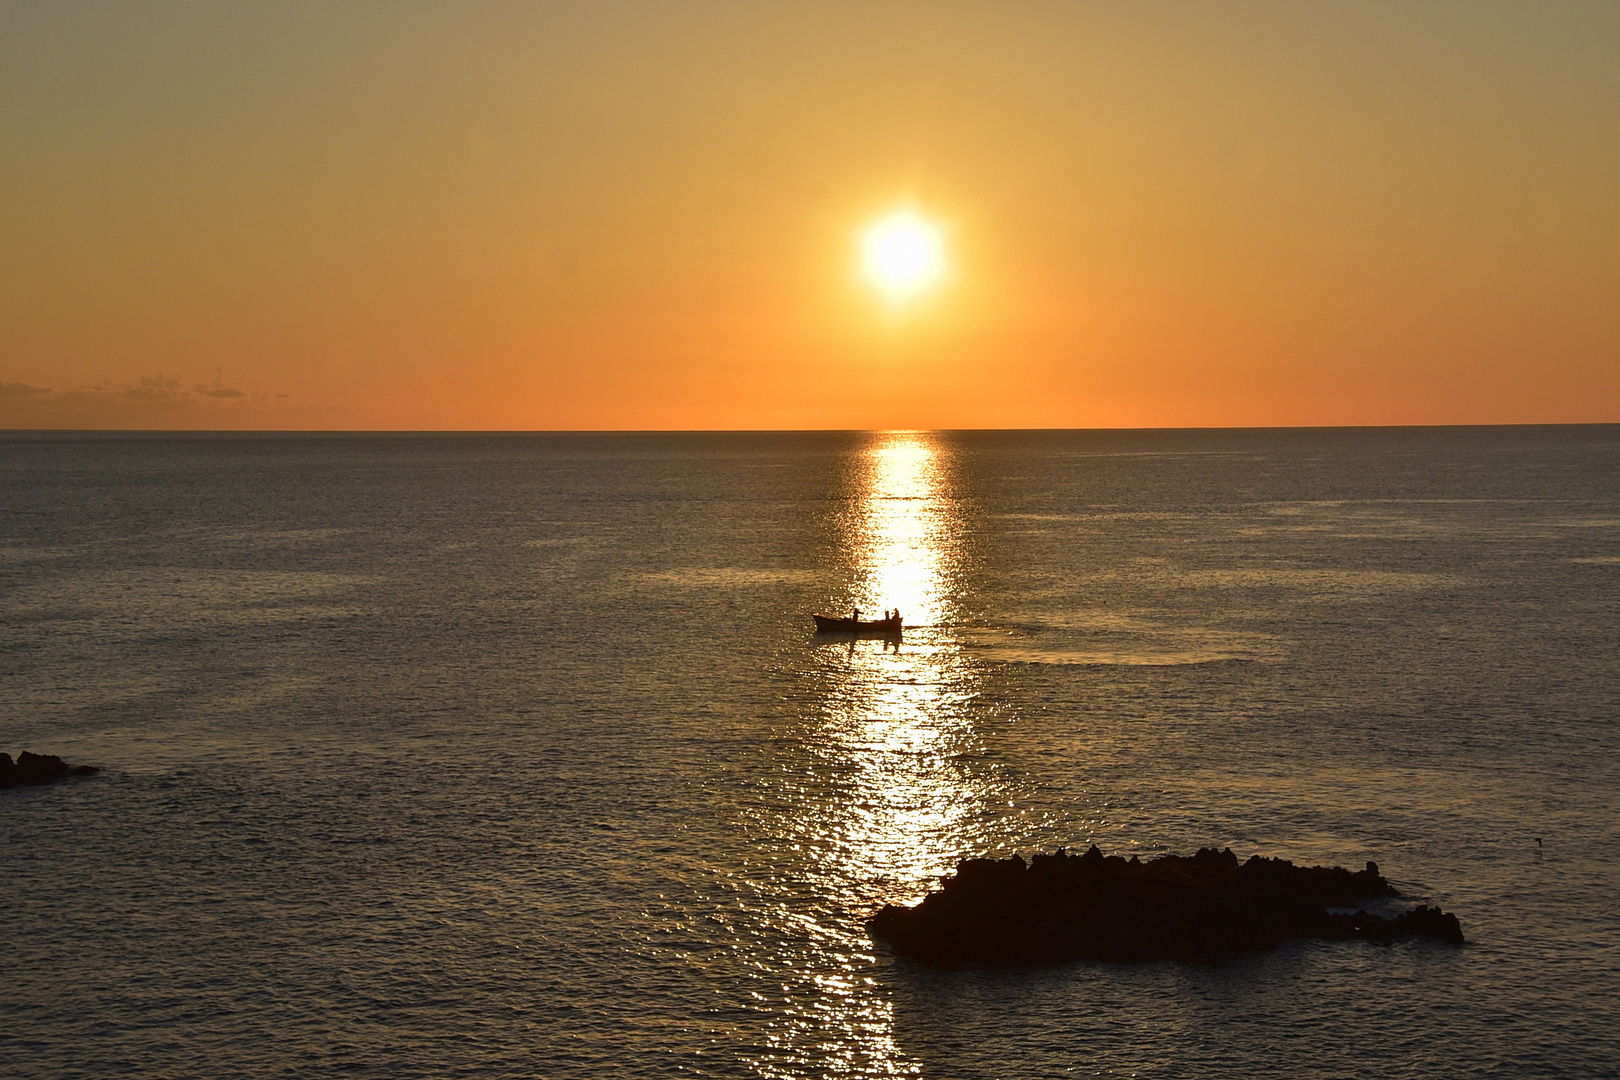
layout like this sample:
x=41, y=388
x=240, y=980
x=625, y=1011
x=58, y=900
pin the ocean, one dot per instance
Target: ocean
x=516, y=755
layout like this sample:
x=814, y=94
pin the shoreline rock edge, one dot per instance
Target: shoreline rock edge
x=1061, y=908
x=30, y=770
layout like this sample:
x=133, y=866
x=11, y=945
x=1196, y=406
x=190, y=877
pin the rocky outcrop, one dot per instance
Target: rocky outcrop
x=1059, y=908
x=38, y=769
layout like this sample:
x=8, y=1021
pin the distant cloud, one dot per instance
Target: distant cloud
x=157, y=401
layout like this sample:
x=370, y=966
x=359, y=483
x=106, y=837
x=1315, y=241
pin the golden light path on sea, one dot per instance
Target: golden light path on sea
x=900, y=723
x=894, y=733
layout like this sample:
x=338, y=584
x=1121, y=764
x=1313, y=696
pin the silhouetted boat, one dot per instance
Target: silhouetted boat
x=828, y=624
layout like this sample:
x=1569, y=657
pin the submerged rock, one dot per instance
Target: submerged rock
x=38, y=769
x=1062, y=907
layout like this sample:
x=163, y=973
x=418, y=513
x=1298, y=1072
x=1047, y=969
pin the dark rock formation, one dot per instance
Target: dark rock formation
x=37, y=769
x=1063, y=907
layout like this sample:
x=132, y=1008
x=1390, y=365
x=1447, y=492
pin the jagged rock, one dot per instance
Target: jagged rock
x=37, y=769
x=1061, y=907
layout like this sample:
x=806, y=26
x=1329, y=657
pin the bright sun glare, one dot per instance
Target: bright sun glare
x=902, y=254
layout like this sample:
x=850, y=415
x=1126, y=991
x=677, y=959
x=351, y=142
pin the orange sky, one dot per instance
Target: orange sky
x=624, y=215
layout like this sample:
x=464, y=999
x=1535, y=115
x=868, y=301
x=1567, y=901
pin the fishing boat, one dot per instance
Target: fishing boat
x=831, y=624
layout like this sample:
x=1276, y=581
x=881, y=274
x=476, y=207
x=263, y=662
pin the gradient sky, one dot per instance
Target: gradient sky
x=645, y=215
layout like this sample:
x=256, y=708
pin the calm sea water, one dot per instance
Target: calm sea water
x=434, y=756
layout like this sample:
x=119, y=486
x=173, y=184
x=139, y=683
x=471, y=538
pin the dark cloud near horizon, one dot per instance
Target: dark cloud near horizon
x=158, y=401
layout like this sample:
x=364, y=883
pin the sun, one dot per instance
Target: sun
x=902, y=254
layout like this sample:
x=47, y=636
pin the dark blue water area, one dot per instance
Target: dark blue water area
x=436, y=755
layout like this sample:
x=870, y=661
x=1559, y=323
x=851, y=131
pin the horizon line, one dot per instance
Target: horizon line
x=794, y=431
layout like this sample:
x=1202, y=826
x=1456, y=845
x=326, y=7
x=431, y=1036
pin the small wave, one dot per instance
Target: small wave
x=1116, y=658
x=716, y=577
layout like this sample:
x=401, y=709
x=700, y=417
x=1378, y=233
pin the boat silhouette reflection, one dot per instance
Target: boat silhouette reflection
x=834, y=626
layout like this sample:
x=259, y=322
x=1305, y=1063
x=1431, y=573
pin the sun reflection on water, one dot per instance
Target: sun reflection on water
x=894, y=716
x=895, y=790
x=906, y=531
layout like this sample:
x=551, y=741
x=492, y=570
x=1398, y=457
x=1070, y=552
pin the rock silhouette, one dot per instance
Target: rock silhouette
x=1060, y=908
x=38, y=769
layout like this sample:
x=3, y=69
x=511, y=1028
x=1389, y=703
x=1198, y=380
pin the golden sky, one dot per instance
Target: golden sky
x=649, y=215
